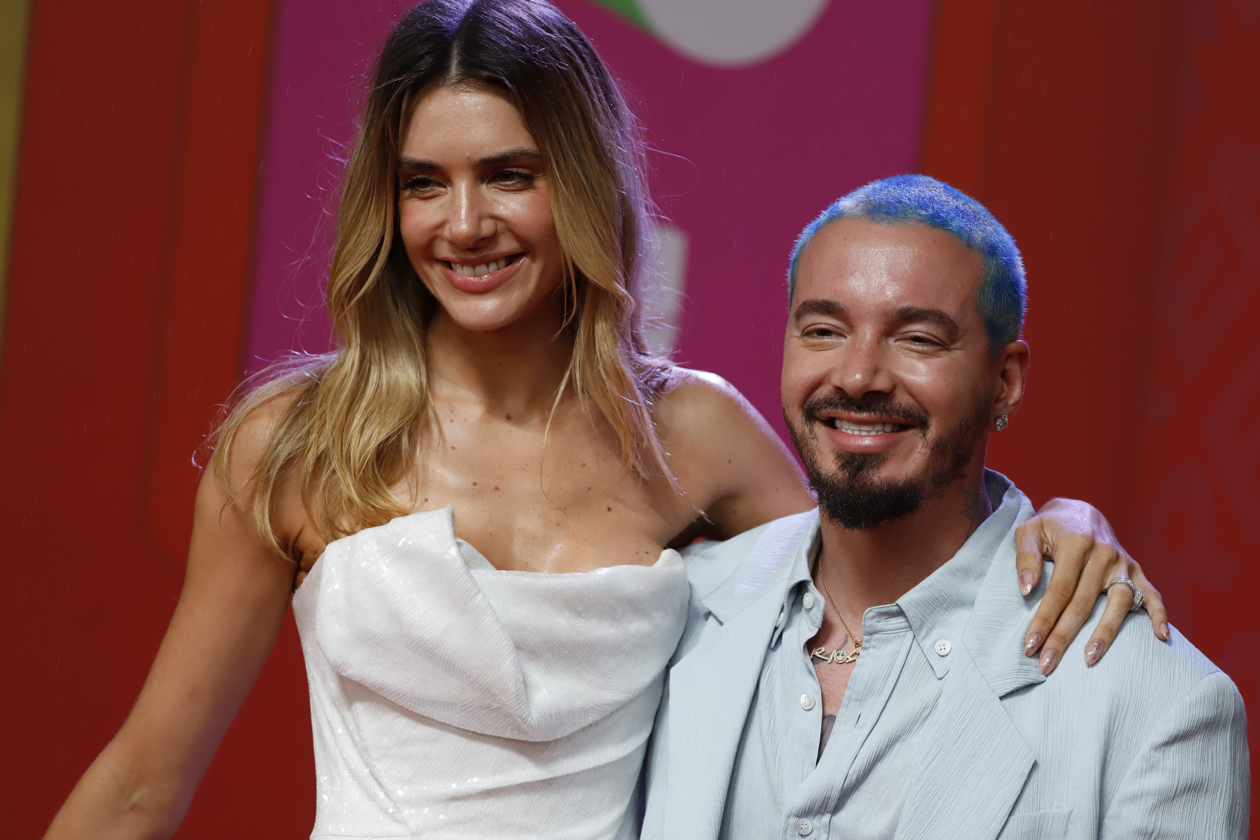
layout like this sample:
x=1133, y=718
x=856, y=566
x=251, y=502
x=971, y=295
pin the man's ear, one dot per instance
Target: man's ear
x=1012, y=373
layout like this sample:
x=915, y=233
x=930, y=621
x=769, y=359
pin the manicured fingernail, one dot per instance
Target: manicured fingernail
x=1048, y=658
x=1032, y=643
x=1025, y=582
x=1163, y=631
x=1093, y=652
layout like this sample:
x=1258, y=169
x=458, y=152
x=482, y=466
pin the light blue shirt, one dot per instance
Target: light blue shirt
x=780, y=786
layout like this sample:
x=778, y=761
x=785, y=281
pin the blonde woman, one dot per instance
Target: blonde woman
x=471, y=500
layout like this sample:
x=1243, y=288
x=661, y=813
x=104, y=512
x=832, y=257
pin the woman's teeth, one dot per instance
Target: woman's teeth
x=866, y=428
x=481, y=270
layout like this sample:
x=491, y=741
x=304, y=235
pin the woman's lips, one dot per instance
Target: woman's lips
x=486, y=282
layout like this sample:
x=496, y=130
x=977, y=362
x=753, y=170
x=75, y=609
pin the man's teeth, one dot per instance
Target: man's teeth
x=866, y=428
x=481, y=270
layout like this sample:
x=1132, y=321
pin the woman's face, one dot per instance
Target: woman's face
x=474, y=209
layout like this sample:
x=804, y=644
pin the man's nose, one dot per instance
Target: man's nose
x=862, y=367
x=470, y=221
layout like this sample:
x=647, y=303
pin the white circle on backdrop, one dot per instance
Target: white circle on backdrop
x=729, y=33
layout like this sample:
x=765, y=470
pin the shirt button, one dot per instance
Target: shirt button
x=807, y=702
x=808, y=600
x=804, y=827
x=942, y=647
x=778, y=622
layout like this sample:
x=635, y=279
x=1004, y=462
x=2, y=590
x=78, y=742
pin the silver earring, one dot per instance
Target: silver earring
x=1000, y=423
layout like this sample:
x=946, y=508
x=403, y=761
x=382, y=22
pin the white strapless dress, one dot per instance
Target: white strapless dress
x=450, y=699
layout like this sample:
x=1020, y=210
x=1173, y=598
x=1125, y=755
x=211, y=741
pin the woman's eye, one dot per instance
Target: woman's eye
x=420, y=184
x=513, y=178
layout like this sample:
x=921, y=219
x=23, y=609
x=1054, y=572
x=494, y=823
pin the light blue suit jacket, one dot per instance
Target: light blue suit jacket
x=1151, y=742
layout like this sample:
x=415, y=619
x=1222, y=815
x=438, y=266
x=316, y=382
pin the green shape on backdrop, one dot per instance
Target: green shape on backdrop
x=14, y=16
x=627, y=9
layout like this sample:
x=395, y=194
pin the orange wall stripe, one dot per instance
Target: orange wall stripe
x=966, y=58
x=210, y=255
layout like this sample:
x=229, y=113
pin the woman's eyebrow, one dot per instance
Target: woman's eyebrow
x=524, y=153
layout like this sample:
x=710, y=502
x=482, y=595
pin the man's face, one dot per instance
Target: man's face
x=889, y=386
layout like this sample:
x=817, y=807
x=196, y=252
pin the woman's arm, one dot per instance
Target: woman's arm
x=229, y=613
x=733, y=455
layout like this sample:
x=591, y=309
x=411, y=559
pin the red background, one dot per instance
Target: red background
x=1119, y=142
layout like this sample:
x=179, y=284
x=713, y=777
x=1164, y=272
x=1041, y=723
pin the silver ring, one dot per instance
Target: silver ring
x=1137, y=593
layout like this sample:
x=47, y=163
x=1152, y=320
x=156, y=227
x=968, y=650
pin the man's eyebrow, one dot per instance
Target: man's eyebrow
x=920, y=314
x=522, y=154
x=818, y=306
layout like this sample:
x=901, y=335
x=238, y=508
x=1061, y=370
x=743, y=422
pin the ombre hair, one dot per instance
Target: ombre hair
x=352, y=423
x=920, y=199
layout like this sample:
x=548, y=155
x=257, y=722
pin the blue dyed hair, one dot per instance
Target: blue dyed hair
x=918, y=199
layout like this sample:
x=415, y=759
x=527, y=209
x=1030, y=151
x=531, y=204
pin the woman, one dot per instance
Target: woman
x=492, y=390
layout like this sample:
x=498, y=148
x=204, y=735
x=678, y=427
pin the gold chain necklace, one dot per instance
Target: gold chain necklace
x=838, y=656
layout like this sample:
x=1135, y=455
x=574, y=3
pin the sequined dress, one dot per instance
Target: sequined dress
x=450, y=699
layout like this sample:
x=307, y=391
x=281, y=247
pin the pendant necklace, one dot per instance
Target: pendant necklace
x=838, y=656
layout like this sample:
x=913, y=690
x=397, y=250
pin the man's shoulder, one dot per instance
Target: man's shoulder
x=1140, y=670
x=767, y=549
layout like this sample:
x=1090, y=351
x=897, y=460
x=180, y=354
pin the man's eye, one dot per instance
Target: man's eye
x=820, y=332
x=923, y=341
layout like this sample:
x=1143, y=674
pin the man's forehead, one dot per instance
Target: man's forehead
x=890, y=265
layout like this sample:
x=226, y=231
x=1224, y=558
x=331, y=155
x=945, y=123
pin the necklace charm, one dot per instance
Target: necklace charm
x=837, y=656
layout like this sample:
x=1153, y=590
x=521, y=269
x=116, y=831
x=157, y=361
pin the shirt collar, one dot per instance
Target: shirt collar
x=938, y=606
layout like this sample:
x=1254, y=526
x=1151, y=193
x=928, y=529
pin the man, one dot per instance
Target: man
x=859, y=671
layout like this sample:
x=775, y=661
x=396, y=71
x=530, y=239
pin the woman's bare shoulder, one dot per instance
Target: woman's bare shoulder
x=726, y=455
x=692, y=399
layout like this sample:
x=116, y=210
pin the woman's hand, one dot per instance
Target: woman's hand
x=1086, y=555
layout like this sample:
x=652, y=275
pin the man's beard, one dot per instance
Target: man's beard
x=851, y=495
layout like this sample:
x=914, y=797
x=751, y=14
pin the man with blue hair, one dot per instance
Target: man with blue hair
x=859, y=671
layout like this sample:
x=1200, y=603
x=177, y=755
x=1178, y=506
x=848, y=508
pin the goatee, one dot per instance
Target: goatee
x=850, y=494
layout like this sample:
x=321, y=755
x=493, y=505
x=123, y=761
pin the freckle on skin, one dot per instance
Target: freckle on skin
x=610, y=510
x=474, y=484
x=496, y=487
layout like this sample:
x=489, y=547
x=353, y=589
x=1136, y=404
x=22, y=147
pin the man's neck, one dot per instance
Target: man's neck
x=878, y=565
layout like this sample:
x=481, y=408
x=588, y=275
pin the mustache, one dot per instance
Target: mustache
x=883, y=405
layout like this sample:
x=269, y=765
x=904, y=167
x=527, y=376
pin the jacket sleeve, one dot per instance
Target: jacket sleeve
x=1192, y=777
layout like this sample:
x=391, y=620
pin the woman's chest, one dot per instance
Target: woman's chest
x=563, y=504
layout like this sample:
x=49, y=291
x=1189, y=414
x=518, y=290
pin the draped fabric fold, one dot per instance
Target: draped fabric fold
x=452, y=699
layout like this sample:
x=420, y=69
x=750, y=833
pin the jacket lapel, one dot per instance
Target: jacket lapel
x=976, y=766
x=712, y=686
x=973, y=769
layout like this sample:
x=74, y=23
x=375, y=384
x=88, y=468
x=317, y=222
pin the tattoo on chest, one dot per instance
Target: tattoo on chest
x=828, y=722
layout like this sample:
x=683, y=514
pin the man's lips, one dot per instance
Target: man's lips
x=865, y=426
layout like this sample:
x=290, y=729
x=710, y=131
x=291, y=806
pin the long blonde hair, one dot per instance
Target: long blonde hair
x=355, y=417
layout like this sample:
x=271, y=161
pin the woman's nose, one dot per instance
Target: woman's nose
x=470, y=221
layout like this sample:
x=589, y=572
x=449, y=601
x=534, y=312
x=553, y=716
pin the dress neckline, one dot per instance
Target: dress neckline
x=480, y=563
